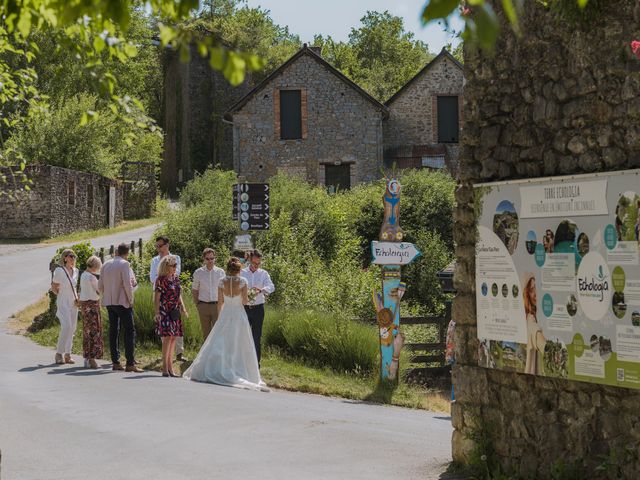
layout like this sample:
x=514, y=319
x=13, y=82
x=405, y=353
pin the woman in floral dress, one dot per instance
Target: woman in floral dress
x=168, y=307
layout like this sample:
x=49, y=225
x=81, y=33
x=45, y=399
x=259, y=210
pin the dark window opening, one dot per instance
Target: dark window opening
x=290, y=114
x=90, y=198
x=448, y=120
x=71, y=193
x=337, y=177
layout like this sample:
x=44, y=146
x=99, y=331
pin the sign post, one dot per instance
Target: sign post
x=251, y=206
x=391, y=252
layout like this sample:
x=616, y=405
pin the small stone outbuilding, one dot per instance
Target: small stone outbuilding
x=308, y=119
x=423, y=128
x=59, y=201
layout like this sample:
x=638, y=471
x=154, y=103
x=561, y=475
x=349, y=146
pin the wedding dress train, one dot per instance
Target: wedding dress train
x=228, y=356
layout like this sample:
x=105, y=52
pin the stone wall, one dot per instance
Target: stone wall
x=411, y=130
x=563, y=99
x=59, y=201
x=342, y=126
x=196, y=137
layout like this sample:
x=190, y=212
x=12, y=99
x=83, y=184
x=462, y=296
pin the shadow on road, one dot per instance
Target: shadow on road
x=37, y=367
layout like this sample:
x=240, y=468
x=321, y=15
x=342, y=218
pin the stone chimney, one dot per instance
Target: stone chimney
x=316, y=50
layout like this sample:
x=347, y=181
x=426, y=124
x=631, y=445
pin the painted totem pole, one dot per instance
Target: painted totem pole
x=391, y=253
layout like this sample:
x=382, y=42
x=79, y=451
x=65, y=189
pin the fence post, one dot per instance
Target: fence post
x=133, y=247
x=140, y=248
x=111, y=250
x=101, y=254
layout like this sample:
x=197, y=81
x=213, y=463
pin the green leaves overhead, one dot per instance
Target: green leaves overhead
x=482, y=26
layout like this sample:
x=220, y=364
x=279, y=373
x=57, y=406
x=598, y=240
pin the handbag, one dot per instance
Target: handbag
x=174, y=314
x=73, y=288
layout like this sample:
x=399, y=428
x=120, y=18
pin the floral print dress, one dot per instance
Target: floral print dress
x=169, y=289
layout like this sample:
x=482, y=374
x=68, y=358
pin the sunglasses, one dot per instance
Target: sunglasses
x=70, y=256
x=209, y=258
x=159, y=245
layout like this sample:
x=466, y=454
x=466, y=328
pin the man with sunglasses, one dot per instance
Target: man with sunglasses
x=162, y=247
x=205, y=290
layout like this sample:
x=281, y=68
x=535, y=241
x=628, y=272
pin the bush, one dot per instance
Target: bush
x=55, y=137
x=318, y=246
x=322, y=339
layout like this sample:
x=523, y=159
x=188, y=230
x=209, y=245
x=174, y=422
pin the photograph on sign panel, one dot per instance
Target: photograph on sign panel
x=505, y=225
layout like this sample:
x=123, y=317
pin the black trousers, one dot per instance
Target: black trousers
x=255, y=314
x=120, y=316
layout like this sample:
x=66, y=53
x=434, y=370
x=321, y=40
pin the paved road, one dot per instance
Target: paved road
x=64, y=422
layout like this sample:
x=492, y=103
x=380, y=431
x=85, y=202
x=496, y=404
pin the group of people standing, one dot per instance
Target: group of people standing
x=230, y=306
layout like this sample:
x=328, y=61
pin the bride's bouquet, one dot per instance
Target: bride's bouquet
x=252, y=294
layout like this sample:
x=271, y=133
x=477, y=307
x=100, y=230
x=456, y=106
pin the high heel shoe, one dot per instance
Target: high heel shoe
x=171, y=374
x=68, y=359
x=93, y=364
x=165, y=374
x=59, y=359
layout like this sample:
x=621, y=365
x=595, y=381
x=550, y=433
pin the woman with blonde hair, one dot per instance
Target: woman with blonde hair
x=92, y=341
x=168, y=307
x=63, y=285
x=536, y=340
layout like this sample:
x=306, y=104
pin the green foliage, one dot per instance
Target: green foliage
x=56, y=137
x=100, y=37
x=482, y=26
x=380, y=55
x=317, y=249
x=323, y=339
x=249, y=29
x=144, y=317
x=82, y=250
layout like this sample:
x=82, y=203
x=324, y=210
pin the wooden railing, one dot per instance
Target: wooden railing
x=430, y=356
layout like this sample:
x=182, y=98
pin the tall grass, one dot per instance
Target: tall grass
x=322, y=339
x=144, y=317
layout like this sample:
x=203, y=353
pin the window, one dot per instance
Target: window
x=90, y=198
x=447, y=119
x=337, y=177
x=290, y=114
x=71, y=192
x=433, y=161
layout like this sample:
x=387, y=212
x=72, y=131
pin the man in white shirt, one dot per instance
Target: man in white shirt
x=162, y=247
x=260, y=283
x=205, y=290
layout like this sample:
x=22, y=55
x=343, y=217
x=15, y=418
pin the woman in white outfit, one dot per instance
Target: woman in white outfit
x=65, y=279
x=228, y=356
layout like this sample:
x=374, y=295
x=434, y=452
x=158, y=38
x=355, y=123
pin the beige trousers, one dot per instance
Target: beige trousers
x=208, y=316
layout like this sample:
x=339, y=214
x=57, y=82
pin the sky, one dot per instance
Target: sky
x=336, y=18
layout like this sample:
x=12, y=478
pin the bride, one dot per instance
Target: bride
x=228, y=356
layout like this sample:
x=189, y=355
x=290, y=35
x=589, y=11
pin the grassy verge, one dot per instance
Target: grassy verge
x=279, y=370
x=125, y=226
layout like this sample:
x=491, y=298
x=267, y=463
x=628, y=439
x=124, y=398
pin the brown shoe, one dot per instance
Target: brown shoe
x=68, y=359
x=117, y=366
x=92, y=363
x=59, y=359
x=133, y=368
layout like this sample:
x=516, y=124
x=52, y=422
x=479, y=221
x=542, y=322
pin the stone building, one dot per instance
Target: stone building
x=194, y=99
x=60, y=201
x=309, y=120
x=425, y=115
x=562, y=99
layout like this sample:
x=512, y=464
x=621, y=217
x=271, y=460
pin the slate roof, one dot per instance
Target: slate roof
x=443, y=54
x=305, y=50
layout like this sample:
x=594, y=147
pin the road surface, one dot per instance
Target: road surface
x=65, y=422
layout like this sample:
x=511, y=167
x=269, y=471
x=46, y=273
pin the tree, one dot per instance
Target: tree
x=98, y=34
x=380, y=55
x=482, y=26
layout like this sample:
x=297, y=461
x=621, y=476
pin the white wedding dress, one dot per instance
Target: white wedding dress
x=228, y=356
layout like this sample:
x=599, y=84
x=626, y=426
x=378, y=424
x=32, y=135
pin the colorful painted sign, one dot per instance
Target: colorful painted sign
x=393, y=253
x=558, y=277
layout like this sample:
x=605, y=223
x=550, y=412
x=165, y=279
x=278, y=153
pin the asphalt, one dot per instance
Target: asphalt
x=65, y=422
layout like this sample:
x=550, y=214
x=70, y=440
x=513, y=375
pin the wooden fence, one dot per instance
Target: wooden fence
x=430, y=356
x=112, y=250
